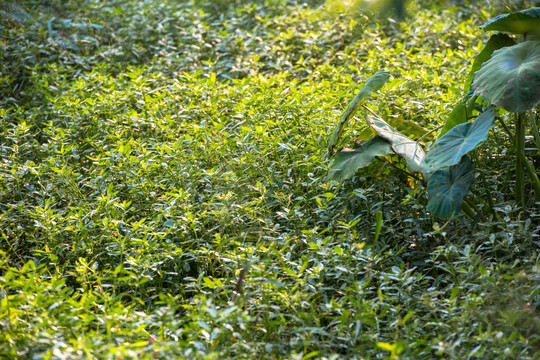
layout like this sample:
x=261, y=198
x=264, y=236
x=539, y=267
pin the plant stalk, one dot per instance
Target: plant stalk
x=534, y=177
x=505, y=128
x=429, y=132
x=520, y=149
x=528, y=166
x=470, y=106
x=536, y=133
x=467, y=209
x=489, y=199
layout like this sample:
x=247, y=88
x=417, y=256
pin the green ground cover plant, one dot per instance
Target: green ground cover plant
x=164, y=191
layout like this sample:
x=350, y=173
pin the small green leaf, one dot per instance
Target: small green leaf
x=454, y=294
x=378, y=225
x=495, y=42
x=446, y=189
x=403, y=146
x=386, y=346
x=209, y=283
x=521, y=22
x=450, y=148
x=373, y=84
x=511, y=78
x=311, y=355
x=347, y=162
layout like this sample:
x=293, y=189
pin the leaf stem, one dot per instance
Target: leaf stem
x=371, y=111
x=535, y=130
x=467, y=209
x=406, y=173
x=429, y=132
x=470, y=106
x=520, y=147
x=531, y=171
x=505, y=127
x=534, y=177
x=489, y=199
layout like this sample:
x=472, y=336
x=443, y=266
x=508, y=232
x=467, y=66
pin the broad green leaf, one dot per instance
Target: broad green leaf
x=450, y=148
x=456, y=117
x=373, y=84
x=521, y=22
x=511, y=78
x=495, y=42
x=348, y=161
x=409, y=127
x=446, y=189
x=408, y=149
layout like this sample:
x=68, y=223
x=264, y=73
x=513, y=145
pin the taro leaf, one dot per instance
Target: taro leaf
x=495, y=42
x=462, y=138
x=446, y=189
x=517, y=23
x=511, y=78
x=373, y=84
x=456, y=117
x=409, y=127
x=346, y=162
x=403, y=146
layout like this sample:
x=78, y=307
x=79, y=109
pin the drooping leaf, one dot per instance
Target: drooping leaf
x=495, y=42
x=409, y=127
x=373, y=84
x=521, y=22
x=446, y=188
x=462, y=138
x=408, y=149
x=456, y=117
x=348, y=161
x=511, y=78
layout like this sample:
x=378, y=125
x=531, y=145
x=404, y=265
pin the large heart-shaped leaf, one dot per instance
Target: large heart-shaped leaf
x=521, y=22
x=446, y=189
x=511, y=78
x=408, y=149
x=450, y=148
x=346, y=162
x=373, y=84
x=495, y=42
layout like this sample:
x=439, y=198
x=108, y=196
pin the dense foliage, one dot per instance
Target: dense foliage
x=163, y=189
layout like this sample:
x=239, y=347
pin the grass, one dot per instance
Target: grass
x=162, y=189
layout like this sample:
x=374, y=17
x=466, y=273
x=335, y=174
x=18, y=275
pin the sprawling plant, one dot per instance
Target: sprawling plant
x=448, y=179
x=509, y=77
x=505, y=74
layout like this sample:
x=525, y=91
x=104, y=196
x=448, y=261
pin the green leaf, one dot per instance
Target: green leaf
x=511, y=78
x=446, y=189
x=495, y=42
x=521, y=22
x=450, y=148
x=373, y=84
x=386, y=346
x=408, y=149
x=14, y=12
x=408, y=127
x=348, y=161
x=456, y=117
